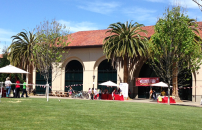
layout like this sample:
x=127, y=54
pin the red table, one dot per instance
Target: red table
x=118, y=97
x=109, y=97
x=165, y=100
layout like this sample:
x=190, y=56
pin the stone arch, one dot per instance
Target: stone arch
x=70, y=59
x=95, y=67
x=74, y=75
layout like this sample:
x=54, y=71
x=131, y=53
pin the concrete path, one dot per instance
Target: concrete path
x=140, y=100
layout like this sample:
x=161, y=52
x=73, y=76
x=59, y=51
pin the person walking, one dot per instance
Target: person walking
x=17, y=88
x=24, y=91
x=8, y=86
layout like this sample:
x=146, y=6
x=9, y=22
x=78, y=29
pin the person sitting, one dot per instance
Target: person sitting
x=70, y=91
x=163, y=93
x=119, y=91
x=116, y=92
x=106, y=91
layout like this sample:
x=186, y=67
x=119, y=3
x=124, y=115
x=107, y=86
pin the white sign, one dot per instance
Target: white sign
x=124, y=89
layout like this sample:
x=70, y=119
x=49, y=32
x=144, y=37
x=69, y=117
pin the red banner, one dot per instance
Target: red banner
x=146, y=81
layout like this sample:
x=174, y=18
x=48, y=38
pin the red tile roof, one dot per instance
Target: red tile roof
x=87, y=38
x=96, y=37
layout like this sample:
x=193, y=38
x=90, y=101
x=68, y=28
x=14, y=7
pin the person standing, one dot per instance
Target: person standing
x=92, y=94
x=150, y=92
x=154, y=94
x=113, y=94
x=95, y=93
x=8, y=86
x=24, y=89
x=89, y=93
x=100, y=94
x=17, y=88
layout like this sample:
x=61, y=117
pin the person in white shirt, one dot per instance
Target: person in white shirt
x=95, y=91
x=8, y=86
x=89, y=93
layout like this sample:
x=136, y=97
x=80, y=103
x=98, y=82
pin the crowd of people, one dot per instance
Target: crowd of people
x=93, y=92
x=16, y=90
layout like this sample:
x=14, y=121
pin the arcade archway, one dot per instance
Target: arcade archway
x=74, y=75
x=106, y=72
x=145, y=72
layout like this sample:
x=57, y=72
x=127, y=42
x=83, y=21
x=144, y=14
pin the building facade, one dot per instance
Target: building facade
x=85, y=66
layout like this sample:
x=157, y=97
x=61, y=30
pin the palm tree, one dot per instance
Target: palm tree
x=125, y=43
x=21, y=51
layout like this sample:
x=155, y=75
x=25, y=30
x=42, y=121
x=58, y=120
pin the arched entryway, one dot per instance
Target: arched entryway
x=106, y=72
x=146, y=72
x=41, y=82
x=74, y=75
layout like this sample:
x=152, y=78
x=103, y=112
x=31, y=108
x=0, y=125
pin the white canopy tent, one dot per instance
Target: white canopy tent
x=108, y=83
x=9, y=69
x=160, y=84
x=12, y=69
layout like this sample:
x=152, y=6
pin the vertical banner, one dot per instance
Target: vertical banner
x=124, y=89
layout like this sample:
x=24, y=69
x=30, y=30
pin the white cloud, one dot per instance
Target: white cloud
x=141, y=14
x=183, y=3
x=100, y=7
x=75, y=26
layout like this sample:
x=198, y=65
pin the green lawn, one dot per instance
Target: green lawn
x=32, y=113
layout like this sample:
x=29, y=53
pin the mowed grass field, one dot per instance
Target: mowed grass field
x=34, y=113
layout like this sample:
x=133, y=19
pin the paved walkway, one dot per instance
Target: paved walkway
x=140, y=100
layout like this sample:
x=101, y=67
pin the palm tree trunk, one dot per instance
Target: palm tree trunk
x=30, y=77
x=125, y=69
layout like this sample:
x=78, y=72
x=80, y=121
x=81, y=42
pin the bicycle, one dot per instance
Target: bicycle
x=80, y=94
x=77, y=95
x=85, y=95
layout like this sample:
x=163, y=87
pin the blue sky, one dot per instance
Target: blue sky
x=81, y=15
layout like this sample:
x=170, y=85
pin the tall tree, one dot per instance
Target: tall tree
x=21, y=51
x=125, y=44
x=174, y=47
x=192, y=24
x=52, y=40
